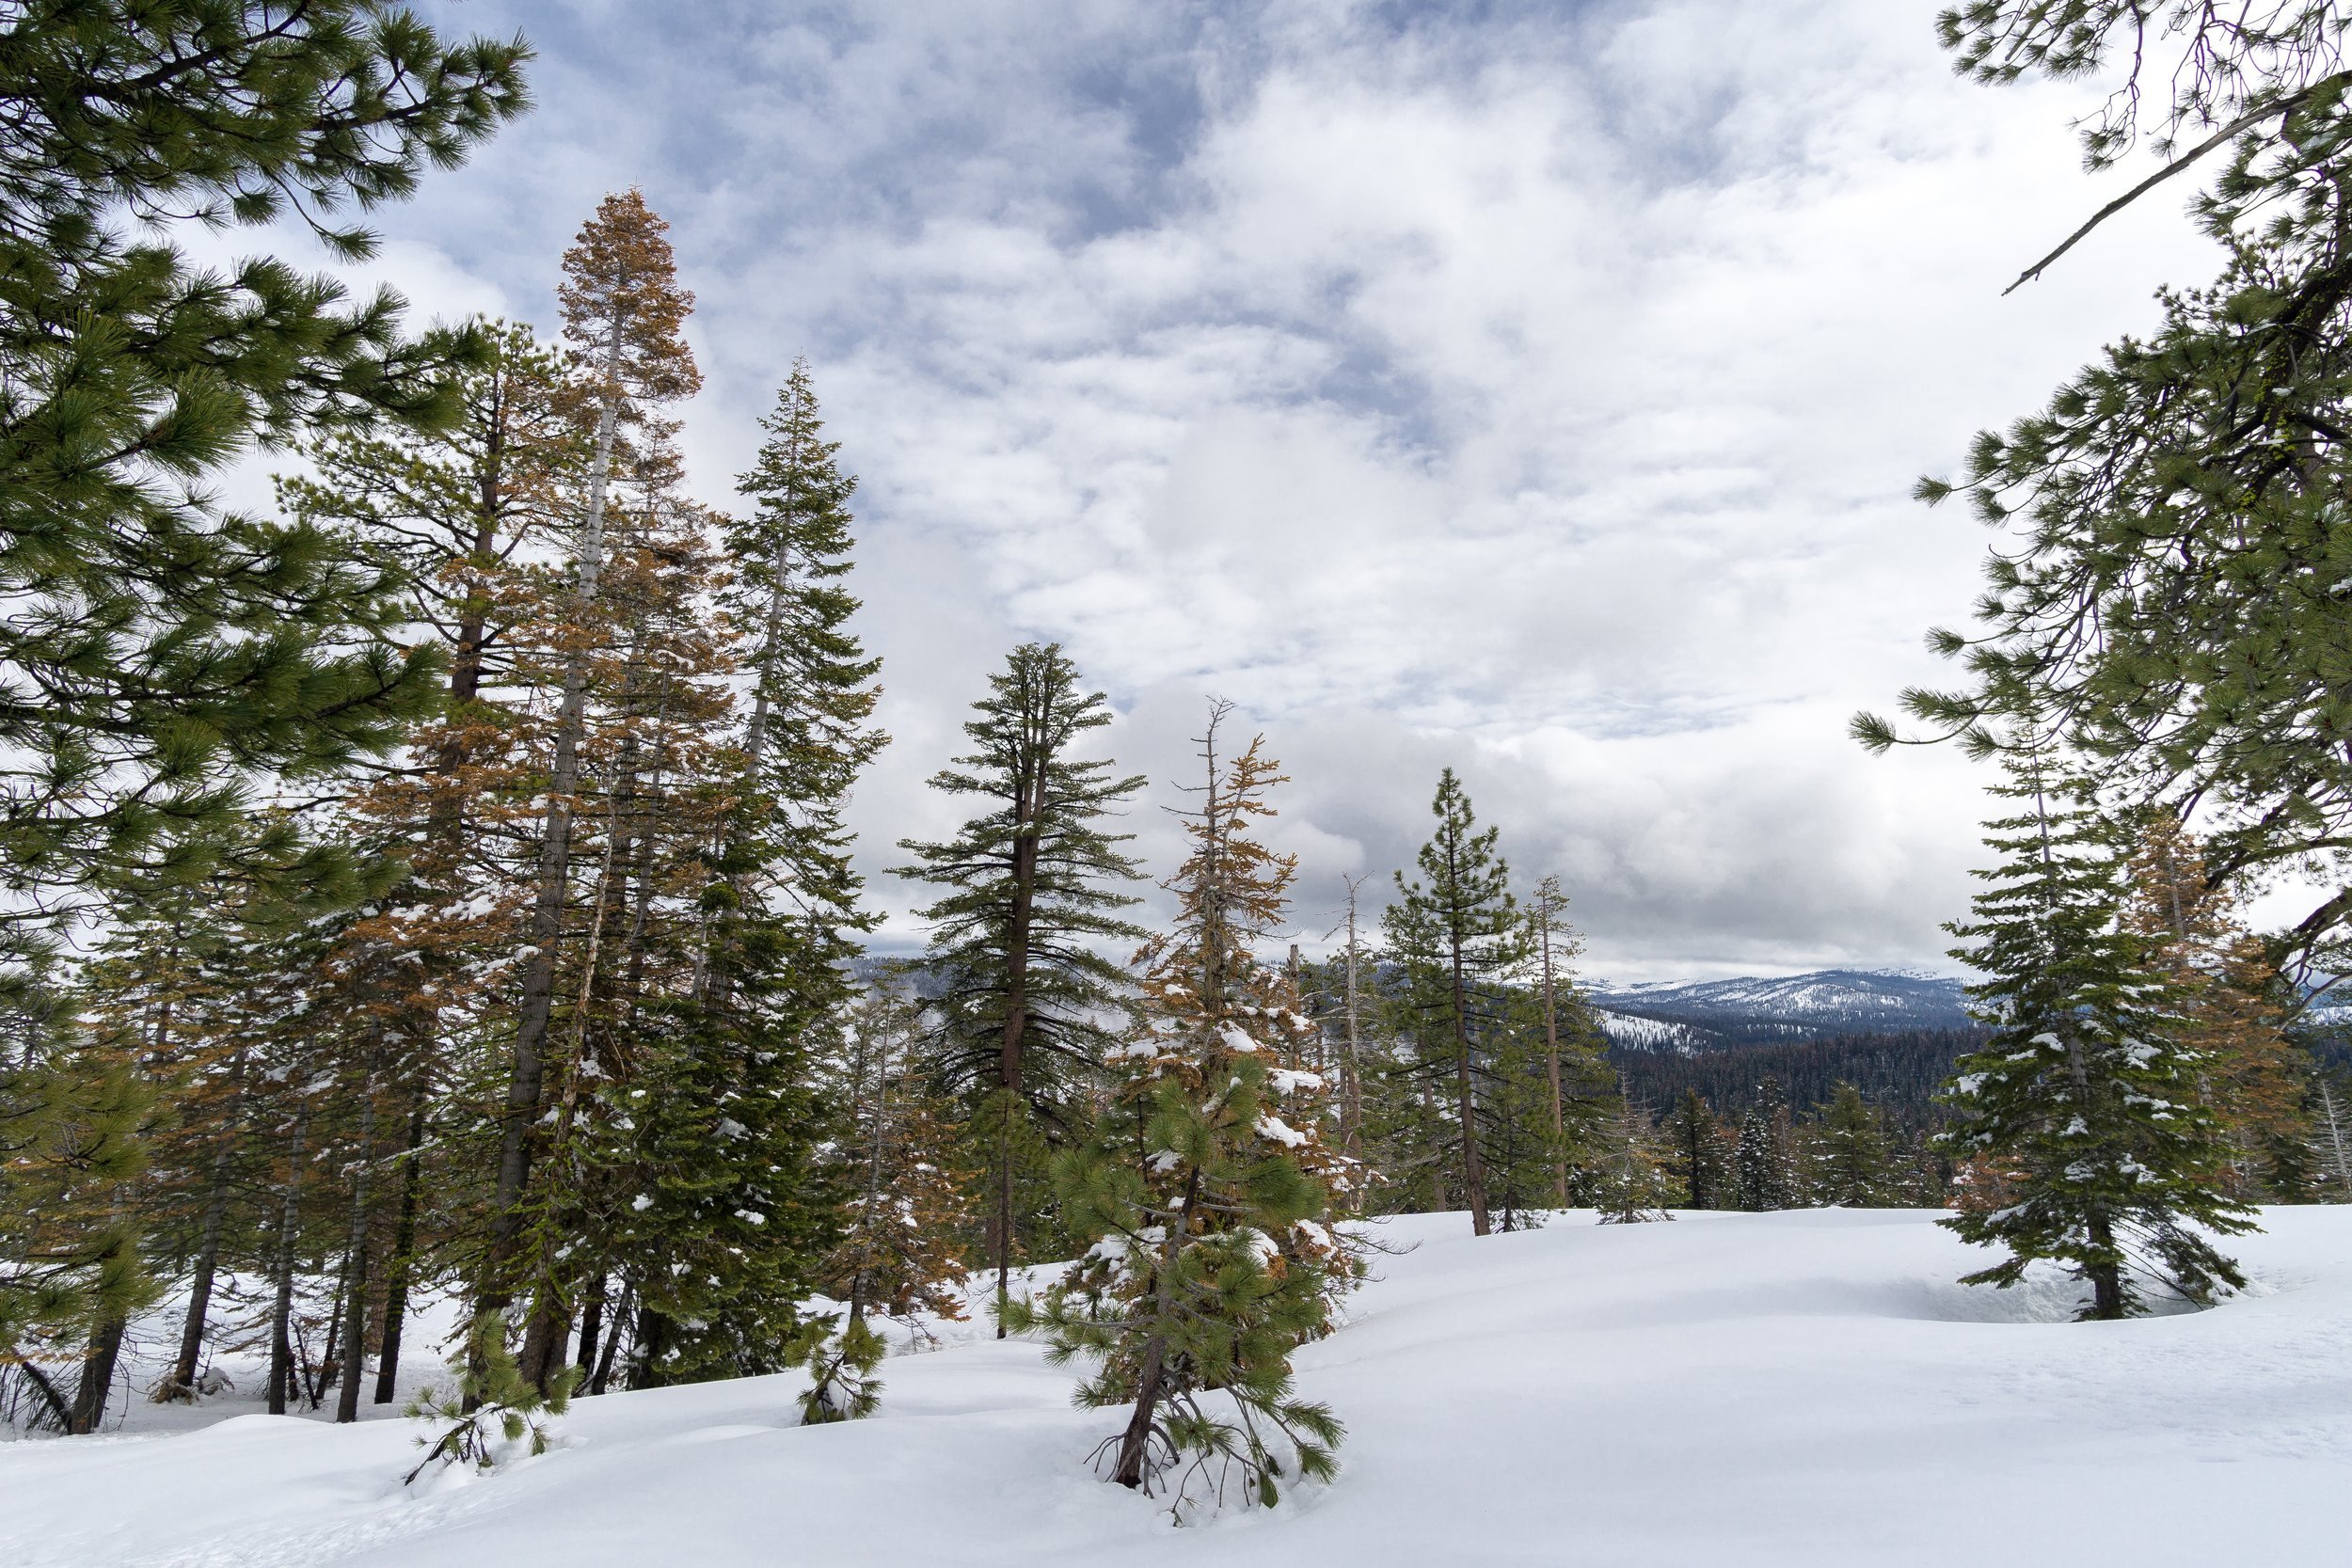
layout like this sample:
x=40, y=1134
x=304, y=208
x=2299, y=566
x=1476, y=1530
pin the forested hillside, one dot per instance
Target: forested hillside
x=1899, y=1072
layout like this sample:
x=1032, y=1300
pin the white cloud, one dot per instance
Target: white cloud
x=1537, y=393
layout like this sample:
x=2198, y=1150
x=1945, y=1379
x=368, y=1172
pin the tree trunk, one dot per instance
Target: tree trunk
x=98, y=1376
x=524, y=1086
x=2106, y=1281
x=355, y=1325
x=281, y=1359
x=180, y=1384
x=1134, y=1443
x=1552, y=1057
x=603, y=1378
x=402, y=1261
x=1474, y=1171
x=591, y=1324
x=1028, y=810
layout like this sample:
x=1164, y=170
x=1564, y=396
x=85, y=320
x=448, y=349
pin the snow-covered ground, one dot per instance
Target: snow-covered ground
x=1730, y=1390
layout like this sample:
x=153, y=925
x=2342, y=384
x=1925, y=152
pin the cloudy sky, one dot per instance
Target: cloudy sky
x=1532, y=388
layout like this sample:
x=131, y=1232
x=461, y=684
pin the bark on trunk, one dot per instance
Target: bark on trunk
x=591, y=1324
x=398, y=1268
x=1473, y=1170
x=1028, y=809
x=98, y=1377
x=524, y=1086
x=354, y=1324
x=180, y=1384
x=281, y=1359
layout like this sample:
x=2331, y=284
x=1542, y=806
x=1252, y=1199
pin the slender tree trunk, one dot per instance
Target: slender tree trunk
x=1473, y=1170
x=181, y=1383
x=397, y=1271
x=1552, y=1057
x=524, y=1086
x=282, y=1357
x=354, y=1324
x=1134, y=1443
x=1029, y=810
x=591, y=1322
x=603, y=1377
x=98, y=1376
x=1351, y=1103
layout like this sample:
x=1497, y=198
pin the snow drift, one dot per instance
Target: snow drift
x=1806, y=1388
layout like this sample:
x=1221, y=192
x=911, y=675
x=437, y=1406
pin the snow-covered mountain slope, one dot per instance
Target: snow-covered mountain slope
x=1755, y=1010
x=1636, y=1033
x=1806, y=1389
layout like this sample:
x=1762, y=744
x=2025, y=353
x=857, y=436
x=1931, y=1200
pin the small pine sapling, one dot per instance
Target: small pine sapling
x=1630, y=1184
x=1217, y=1256
x=842, y=1385
x=510, y=1418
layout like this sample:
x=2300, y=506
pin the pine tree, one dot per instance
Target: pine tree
x=1629, y=1181
x=2331, y=1138
x=164, y=661
x=2250, y=1073
x=1556, y=943
x=2185, y=464
x=1212, y=1192
x=908, y=1205
x=1028, y=887
x=1853, y=1158
x=623, y=311
x=1451, y=934
x=1700, y=1158
x=2082, y=1095
x=1765, y=1156
x=73, y=1122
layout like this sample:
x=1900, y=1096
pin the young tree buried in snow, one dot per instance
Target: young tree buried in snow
x=1211, y=1189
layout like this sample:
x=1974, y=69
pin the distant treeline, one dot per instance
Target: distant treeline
x=1899, y=1072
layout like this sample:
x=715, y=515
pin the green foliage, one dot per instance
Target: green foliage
x=2083, y=1099
x=1028, y=896
x=1628, y=1179
x=2174, y=580
x=842, y=1384
x=493, y=1415
x=1764, y=1158
x=1454, y=933
x=163, y=658
x=1210, y=1192
x=1030, y=885
x=1852, y=1156
x=1699, y=1154
x=74, y=1125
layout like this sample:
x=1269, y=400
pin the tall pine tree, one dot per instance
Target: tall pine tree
x=2082, y=1096
x=1029, y=887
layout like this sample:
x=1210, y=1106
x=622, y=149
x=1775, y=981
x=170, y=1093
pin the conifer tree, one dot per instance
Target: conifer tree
x=1852, y=1157
x=1765, y=1156
x=2186, y=463
x=72, y=1120
x=1451, y=933
x=907, y=1206
x=623, y=311
x=1556, y=943
x=1699, y=1156
x=2250, y=1073
x=1213, y=1191
x=1028, y=888
x=2082, y=1095
x=164, y=660
x=1630, y=1183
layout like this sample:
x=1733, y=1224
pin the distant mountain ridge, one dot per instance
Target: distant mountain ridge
x=1713, y=1015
